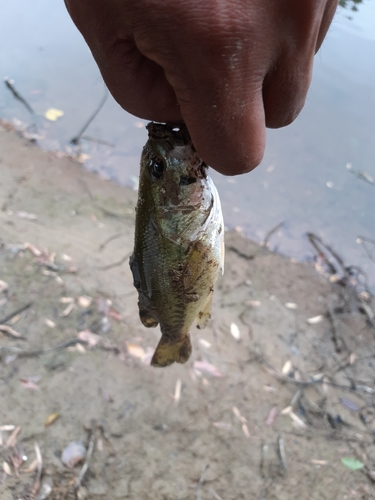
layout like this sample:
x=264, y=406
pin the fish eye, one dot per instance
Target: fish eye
x=156, y=168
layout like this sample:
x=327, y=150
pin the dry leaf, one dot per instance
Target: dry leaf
x=6, y=468
x=3, y=286
x=291, y=305
x=287, y=368
x=299, y=422
x=35, y=251
x=73, y=454
x=68, y=310
x=136, y=351
x=27, y=383
x=204, y=343
x=52, y=114
x=14, y=320
x=222, y=425
x=31, y=467
x=206, y=367
x=271, y=416
x=12, y=439
x=51, y=418
x=8, y=330
x=286, y=410
x=84, y=301
x=254, y=303
x=82, y=157
x=177, y=391
x=66, y=300
x=79, y=348
x=45, y=272
x=269, y=388
x=315, y=319
x=235, y=331
x=115, y=314
x=349, y=404
x=26, y=215
x=245, y=430
x=7, y=428
x=92, y=339
x=238, y=415
x=319, y=462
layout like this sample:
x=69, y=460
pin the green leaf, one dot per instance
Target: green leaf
x=352, y=463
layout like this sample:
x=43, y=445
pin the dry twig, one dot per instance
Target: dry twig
x=90, y=449
x=200, y=482
x=270, y=233
x=15, y=313
x=281, y=451
x=36, y=485
x=77, y=138
x=17, y=95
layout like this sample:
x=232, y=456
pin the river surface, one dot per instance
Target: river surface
x=307, y=178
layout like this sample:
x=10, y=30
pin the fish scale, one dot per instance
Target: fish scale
x=178, y=244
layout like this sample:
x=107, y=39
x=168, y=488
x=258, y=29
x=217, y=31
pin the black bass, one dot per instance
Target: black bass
x=179, y=240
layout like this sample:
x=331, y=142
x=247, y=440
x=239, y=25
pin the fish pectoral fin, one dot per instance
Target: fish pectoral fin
x=168, y=352
x=147, y=319
x=204, y=314
x=146, y=316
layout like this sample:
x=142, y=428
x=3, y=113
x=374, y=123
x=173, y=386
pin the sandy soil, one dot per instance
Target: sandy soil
x=268, y=415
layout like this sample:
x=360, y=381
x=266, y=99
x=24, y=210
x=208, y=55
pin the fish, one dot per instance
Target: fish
x=179, y=240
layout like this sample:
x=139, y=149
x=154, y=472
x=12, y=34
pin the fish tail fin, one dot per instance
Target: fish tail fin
x=168, y=352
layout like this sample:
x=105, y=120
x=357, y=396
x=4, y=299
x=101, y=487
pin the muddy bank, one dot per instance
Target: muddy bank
x=267, y=413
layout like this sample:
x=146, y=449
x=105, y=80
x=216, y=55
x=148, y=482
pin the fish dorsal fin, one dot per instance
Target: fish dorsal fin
x=204, y=314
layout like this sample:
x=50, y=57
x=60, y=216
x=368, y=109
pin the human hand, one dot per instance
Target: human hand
x=226, y=68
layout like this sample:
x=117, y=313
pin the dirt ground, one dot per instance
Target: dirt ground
x=266, y=410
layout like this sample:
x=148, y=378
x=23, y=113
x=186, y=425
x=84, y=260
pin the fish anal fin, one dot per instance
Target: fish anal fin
x=204, y=314
x=168, y=352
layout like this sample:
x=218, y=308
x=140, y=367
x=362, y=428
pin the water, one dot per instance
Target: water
x=303, y=180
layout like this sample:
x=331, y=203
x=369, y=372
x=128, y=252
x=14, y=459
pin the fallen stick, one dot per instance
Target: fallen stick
x=200, y=482
x=85, y=466
x=14, y=313
x=77, y=138
x=18, y=96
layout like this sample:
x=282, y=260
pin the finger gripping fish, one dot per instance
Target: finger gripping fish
x=179, y=240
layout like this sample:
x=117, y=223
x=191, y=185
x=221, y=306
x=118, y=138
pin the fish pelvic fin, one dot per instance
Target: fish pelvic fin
x=168, y=352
